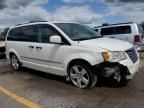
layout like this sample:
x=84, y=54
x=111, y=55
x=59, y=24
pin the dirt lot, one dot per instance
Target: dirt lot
x=33, y=89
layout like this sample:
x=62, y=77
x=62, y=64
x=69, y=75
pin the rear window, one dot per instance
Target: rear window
x=116, y=30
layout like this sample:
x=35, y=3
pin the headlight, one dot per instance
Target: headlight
x=115, y=56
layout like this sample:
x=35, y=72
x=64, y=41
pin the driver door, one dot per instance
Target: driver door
x=48, y=56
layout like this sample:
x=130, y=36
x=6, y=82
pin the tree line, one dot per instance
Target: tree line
x=3, y=34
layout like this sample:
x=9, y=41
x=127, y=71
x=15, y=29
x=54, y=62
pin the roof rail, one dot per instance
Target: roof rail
x=114, y=24
x=37, y=21
x=30, y=22
x=20, y=24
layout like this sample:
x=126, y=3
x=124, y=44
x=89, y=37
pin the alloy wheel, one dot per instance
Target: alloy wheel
x=79, y=76
x=15, y=62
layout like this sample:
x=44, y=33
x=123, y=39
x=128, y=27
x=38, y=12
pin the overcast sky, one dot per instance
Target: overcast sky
x=93, y=12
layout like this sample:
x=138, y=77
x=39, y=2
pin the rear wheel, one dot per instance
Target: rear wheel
x=15, y=63
x=82, y=76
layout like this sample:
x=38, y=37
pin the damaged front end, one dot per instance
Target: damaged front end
x=112, y=70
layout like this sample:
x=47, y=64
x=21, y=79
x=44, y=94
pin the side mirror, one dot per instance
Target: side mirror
x=56, y=39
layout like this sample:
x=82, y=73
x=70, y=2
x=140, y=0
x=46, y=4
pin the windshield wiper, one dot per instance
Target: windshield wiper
x=80, y=39
x=99, y=36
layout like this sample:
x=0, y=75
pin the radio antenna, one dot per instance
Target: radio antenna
x=52, y=18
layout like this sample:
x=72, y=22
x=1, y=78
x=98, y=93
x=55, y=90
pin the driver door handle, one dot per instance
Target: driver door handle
x=31, y=46
x=39, y=48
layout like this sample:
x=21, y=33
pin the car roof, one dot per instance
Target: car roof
x=118, y=24
x=41, y=22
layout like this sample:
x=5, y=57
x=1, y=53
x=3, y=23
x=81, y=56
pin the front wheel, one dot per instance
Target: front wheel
x=82, y=76
x=15, y=63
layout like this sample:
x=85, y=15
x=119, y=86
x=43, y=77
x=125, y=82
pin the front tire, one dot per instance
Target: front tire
x=82, y=76
x=123, y=82
x=15, y=63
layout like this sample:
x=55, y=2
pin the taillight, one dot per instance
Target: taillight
x=137, y=39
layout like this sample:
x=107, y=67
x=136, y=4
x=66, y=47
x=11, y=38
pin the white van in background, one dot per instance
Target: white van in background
x=130, y=32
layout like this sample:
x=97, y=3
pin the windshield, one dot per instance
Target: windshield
x=78, y=32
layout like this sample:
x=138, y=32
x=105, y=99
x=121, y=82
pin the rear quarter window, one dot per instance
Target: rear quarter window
x=14, y=34
x=116, y=30
x=25, y=33
x=123, y=30
x=107, y=31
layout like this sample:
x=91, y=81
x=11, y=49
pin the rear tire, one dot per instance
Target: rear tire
x=15, y=63
x=82, y=76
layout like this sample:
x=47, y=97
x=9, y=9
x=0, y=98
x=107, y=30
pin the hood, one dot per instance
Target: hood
x=107, y=43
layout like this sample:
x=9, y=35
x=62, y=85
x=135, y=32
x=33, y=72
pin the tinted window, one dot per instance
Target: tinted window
x=116, y=30
x=26, y=33
x=107, y=31
x=29, y=34
x=44, y=33
x=14, y=34
x=122, y=30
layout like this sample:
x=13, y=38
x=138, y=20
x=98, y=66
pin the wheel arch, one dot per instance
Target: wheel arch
x=92, y=76
x=85, y=58
x=75, y=61
x=13, y=52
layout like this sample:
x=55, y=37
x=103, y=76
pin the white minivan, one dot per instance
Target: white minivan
x=71, y=50
x=130, y=32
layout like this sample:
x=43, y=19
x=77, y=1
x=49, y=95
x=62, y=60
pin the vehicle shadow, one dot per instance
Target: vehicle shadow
x=43, y=74
x=105, y=82
x=111, y=83
x=2, y=57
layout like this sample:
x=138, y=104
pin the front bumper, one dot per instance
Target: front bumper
x=132, y=67
x=125, y=68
